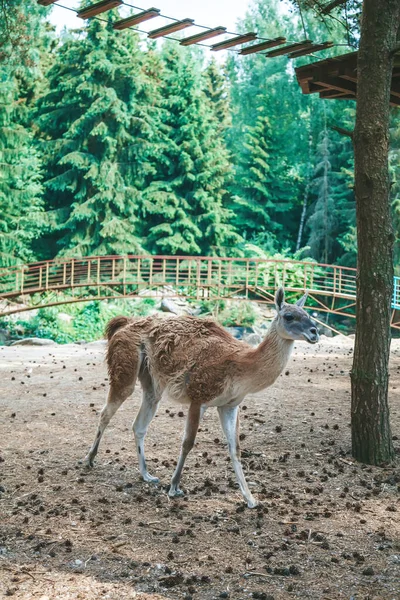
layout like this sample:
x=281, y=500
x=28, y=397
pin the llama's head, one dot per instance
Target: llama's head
x=292, y=322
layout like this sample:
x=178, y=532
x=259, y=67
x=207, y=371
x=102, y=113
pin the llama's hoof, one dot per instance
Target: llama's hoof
x=252, y=503
x=150, y=479
x=175, y=493
x=86, y=462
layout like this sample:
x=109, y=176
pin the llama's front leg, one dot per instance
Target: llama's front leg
x=192, y=425
x=229, y=417
x=146, y=413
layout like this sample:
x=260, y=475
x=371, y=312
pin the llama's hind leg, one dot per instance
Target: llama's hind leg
x=116, y=396
x=229, y=417
x=147, y=410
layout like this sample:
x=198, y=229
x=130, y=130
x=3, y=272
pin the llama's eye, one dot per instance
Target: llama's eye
x=288, y=317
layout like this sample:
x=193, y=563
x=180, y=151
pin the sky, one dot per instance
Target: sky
x=211, y=13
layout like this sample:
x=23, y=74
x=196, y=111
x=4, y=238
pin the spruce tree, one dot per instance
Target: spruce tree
x=264, y=190
x=21, y=215
x=185, y=206
x=216, y=90
x=99, y=133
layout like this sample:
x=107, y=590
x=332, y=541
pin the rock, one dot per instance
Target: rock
x=64, y=317
x=252, y=338
x=34, y=342
x=239, y=332
x=176, y=308
x=99, y=343
x=169, y=306
x=4, y=336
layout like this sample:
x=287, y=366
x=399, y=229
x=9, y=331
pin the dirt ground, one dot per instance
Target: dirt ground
x=326, y=528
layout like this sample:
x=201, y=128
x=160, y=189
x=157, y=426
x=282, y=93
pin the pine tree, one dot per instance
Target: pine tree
x=216, y=90
x=185, y=205
x=264, y=190
x=322, y=221
x=99, y=129
x=20, y=188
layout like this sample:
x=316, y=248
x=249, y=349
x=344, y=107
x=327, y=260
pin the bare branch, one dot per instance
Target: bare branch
x=347, y=132
x=332, y=5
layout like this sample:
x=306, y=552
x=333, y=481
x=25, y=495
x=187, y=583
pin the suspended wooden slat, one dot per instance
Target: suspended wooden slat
x=311, y=49
x=200, y=37
x=145, y=15
x=289, y=48
x=262, y=46
x=46, y=2
x=156, y=33
x=98, y=8
x=239, y=39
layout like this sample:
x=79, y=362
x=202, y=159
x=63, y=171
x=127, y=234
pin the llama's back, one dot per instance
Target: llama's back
x=178, y=344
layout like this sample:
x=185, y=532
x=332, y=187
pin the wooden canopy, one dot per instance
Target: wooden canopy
x=337, y=78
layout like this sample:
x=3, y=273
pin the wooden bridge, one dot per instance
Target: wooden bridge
x=62, y=281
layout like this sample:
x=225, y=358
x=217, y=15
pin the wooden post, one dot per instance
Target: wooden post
x=124, y=276
x=151, y=272
x=198, y=280
x=47, y=275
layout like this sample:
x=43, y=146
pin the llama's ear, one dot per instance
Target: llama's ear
x=279, y=298
x=302, y=300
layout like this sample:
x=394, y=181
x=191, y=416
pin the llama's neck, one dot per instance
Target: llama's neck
x=270, y=358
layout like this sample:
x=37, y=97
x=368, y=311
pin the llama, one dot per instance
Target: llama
x=196, y=362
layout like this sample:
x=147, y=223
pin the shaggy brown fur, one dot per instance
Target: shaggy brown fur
x=196, y=362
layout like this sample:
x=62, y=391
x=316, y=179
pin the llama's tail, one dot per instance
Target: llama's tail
x=115, y=324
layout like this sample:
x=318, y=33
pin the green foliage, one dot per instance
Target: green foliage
x=240, y=314
x=99, y=132
x=185, y=205
x=20, y=176
x=76, y=322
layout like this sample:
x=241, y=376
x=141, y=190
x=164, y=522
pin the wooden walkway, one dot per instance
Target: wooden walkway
x=63, y=281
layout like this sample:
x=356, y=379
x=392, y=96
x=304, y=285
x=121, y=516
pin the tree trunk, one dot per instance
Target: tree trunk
x=371, y=435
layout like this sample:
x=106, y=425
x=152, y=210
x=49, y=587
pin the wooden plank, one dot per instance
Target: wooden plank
x=313, y=48
x=289, y=48
x=334, y=94
x=140, y=17
x=178, y=26
x=235, y=41
x=336, y=83
x=200, y=37
x=262, y=46
x=46, y=2
x=98, y=8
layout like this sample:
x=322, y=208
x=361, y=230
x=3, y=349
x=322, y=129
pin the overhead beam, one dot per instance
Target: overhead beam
x=235, y=41
x=46, y=2
x=98, y=8
x=336, y=83
x=177, y=26
x=289, y=48
x=262, y=46
x=311, y=49
x=145, y=15
x=200, y=37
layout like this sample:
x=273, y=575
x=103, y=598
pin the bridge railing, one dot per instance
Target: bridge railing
x=199, y=274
